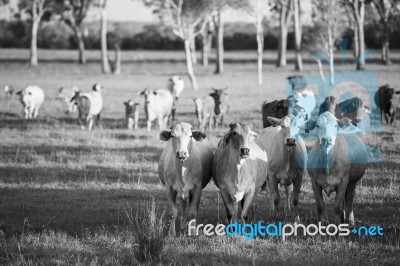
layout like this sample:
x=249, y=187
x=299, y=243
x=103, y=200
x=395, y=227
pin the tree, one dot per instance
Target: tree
x=105, y=65
x=386, y=11
x=285, y=10
x=37, y=9
x=74, y=15
x=297, y=35
x=259, y=10
x=327, y=17
x=206, y=39
x=357, y=10
x=187, y=20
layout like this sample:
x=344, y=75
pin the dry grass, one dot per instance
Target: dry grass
x=68, y=196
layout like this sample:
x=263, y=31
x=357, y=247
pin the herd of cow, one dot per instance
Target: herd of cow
x=245, y=162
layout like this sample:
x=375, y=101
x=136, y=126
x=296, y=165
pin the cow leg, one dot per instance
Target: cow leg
x=210, y=121
x=171, y=195
x=231, y=213
x=287, y=197
x=317, y=189
x=89, y=122
x=26, y=111
x=148, y=125
x=247, y=201
x=182, y=210
x=295, y=195
x=165, y=124
x=350, y=192
x=98, y=121
x=338, y=204
x=80, y=119
x=194, y=205
x=274, y=194
x=35, y=112
x=221, y=122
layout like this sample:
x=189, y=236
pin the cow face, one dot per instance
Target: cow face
x=181, y=136
x=149, y=95
x=327, y=127
x=239, y=138
x=130, y=108
x=354, y=109
x=97, y=87
x=219, y=96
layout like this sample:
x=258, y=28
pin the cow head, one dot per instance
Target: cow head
x=392, y=96
x=328, y=127
x=68, y=96
x=130, y=107
x=219, y=96
x=181, y=136
x=25, y=96
x=8, y=91
x=148, y=94
x=239, y=138
x=97, y=87
x=354, y=109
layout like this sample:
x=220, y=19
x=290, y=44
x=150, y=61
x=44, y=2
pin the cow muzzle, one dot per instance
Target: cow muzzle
x=290, y=142
x=244, y=152
x=182, y=156
x=326, y=142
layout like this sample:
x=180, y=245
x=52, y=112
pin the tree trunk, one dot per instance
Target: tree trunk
x=331, y=56
x=206, y=42
x=361, y=40
x=385, y=45
x=189, y=65
x=387, y=53
x=193, y=50
x=33, y=57
x=320, y=71
x=260, y=49
x=356, y=44
x=81, y=44
x=117, y=62
x=297, y=34
x=104, y=55
x=282, y=42
x=219, y=67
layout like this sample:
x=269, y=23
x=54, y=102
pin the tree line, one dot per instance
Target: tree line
x=200, y=24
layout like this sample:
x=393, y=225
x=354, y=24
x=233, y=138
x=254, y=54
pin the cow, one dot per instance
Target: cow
x=175, y=85
x=287, y=158
x=387, y=99
x=204, y=111
x=353, y=108
x=221, y=105
x=131, y=114
x=185, y=169
x=336, y=162
x=31, y=97
x=239, y=169
x=66, y=94
x=89, y=106
x=157, y=104
x=9, y=91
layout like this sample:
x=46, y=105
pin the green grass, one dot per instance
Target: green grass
x=69, y=196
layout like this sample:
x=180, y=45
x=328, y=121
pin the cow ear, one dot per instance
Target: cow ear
x=137, y=104
x=310, y=125
x=155, y=92
x=141, y=93
x=397, y=92
x=165, y=135
x=343, y=122
x=126, y=103
x=18, y=93
x=198, y=135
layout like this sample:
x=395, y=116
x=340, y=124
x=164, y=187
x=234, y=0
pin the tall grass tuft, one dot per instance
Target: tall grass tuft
x=149, y=231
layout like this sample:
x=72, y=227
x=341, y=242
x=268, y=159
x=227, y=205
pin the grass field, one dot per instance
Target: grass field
x=74, y=197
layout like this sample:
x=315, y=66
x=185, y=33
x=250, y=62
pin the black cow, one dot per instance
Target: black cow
x=387, y=101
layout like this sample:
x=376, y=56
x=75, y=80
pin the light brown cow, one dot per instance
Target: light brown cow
x=204, y=111
x=336, y=162
x=131, y=114
x=239, y=169
x=185, y=169
x=287, y=156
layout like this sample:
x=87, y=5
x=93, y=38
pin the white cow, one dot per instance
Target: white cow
x=185, y=169
x=157, y=104
x=89, y=106
x=175, y=86
x=32, y=97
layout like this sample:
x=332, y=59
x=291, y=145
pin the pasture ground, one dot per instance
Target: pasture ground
x=69, y=196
